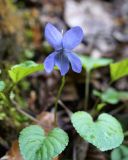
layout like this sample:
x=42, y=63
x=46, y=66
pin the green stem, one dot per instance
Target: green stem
x=87, y=80
x=126, y=133
x=57, y=98
x=11, y=87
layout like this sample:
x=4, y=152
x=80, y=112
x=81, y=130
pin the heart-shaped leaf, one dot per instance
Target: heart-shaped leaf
x=106, y=133
x=24, y=69
x=35, y=145
x=90, y=63
x=119, y=69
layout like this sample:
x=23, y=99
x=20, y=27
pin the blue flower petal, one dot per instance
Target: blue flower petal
x=62, y=62
x=72, y=38
x=75, y=62
x=53, y=36
x=49, y=62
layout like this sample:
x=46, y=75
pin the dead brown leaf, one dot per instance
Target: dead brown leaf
x=46, y=120
x=14, y=153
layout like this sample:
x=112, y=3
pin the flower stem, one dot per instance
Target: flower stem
x=87, y=79
x=57, y=98
x=126, y=133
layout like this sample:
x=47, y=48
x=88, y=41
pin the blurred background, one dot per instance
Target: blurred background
x=22, y=22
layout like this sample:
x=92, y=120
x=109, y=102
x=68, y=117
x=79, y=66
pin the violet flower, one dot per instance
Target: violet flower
x=63, y=56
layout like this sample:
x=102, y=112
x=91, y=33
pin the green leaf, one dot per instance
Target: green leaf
x=35, y=145
x=29, y=53
x=106, y=133
x=2, y=116
x=120, y=153
x=24, y=69
x=100, y=106
x=2, y=86
x=111, y=95
x=119, y=69
x=90, y=63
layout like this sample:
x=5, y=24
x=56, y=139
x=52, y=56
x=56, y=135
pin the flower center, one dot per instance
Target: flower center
x=63, y=50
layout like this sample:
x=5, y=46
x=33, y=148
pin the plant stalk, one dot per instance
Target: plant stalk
x=87, y=80
x=57, y=98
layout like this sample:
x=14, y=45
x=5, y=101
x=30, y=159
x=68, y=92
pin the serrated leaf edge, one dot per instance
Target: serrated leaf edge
x=92, y=142
x=62, y=149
